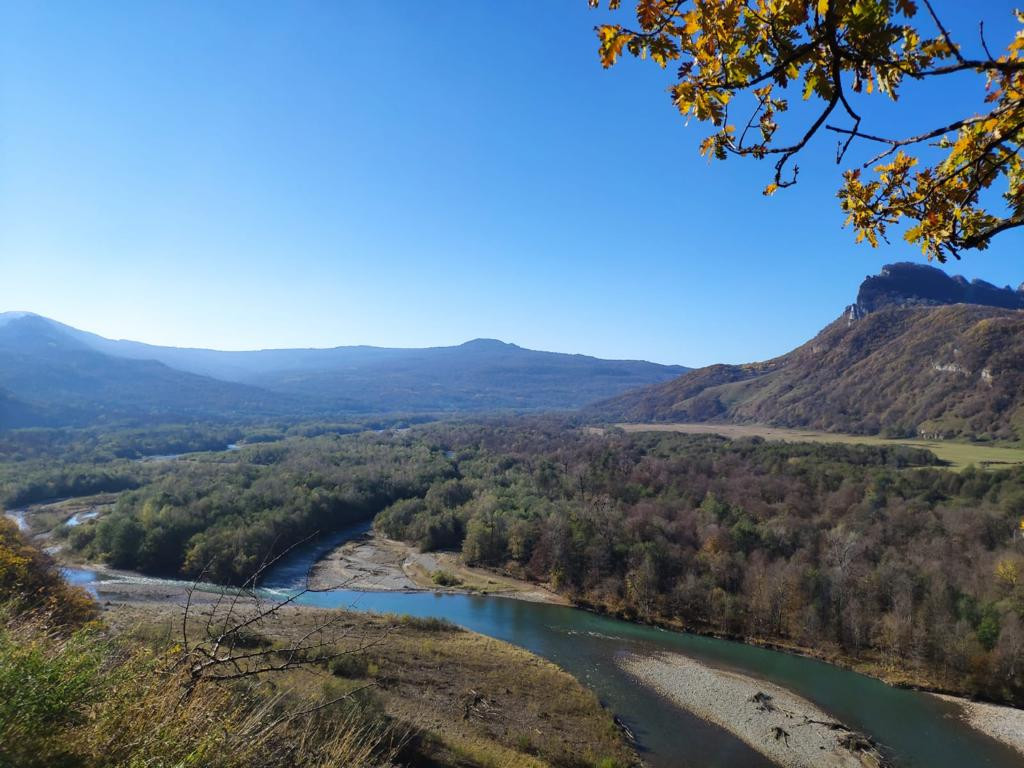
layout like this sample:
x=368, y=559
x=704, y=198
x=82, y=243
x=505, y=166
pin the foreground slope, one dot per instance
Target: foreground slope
x=118, y=688
x=900, y=361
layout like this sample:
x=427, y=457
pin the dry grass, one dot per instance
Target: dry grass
x=464, y=699
x=475, y=689
x=89, y=700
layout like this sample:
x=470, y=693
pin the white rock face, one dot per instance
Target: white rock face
x=951, y=368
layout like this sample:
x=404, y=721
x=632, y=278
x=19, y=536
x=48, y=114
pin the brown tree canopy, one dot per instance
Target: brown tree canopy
x=955, y=185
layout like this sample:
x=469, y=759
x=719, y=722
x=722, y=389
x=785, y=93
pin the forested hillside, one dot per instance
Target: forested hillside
x=899, y=362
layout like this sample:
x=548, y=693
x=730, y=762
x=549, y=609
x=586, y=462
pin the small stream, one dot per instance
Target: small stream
x=18, y=516
x=174, y=456
x=916, y=730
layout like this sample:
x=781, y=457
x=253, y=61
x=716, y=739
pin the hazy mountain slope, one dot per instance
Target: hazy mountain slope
x=478, y=375
x=72, y=376
x=52, y=378
x=896, y=362
x=14, y=413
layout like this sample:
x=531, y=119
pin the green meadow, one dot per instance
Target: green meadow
x=957, y=454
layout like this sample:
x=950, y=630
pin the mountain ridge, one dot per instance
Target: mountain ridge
x=47, y=367
x=901, y=361
x=905, y=284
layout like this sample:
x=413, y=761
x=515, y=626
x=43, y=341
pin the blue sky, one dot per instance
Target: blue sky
x=257, y=174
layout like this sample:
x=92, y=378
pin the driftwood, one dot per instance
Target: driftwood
x=479, y=706
x=764, y=701
x=856, y=742
x=625, y=729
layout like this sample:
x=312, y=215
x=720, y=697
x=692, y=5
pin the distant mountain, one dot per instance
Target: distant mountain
x=54, y=373
x=919, y=353
x=14, y=413
x=49, y=377
x=483, y=374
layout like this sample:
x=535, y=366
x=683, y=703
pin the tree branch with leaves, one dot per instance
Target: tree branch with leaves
x=944, y=183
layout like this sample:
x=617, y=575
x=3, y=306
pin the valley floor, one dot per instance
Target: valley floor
x=377, y=563
x=431, y=699
x=374, y=562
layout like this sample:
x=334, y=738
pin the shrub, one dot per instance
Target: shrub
x=429, y=624
x=445, y=578
x=350, y=665
x=30, y=582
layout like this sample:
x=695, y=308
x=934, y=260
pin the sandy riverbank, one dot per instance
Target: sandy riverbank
x=1005, y=724
x=373, y=562
x=785, y=728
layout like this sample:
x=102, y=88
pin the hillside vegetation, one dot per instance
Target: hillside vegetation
x=75, y=695
x=949, y=372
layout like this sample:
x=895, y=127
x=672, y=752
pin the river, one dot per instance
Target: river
x=916, y=730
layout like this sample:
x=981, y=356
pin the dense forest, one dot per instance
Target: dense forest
x=44, y=463
x=223, y=516
x=872, y=554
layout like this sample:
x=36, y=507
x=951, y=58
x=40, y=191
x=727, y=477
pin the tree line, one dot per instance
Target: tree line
x=871, y=554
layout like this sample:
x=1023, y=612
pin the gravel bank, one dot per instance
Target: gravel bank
x=1005, y=724
x=365, y=563
x=785, y=728
x=374, y=563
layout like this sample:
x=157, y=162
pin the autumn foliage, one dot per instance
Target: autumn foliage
x=30, y=582
x=739, y=62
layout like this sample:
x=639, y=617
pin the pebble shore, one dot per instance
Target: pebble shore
x=1005, y=724
x=788, y=730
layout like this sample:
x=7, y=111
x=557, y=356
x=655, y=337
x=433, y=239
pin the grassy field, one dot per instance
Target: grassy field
x=957, y=455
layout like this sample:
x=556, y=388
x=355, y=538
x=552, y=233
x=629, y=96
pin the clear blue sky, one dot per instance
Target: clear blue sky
x=258, y=174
